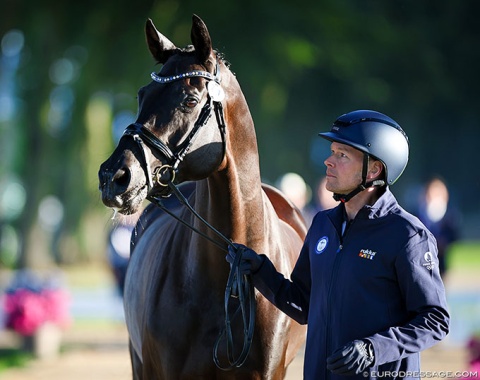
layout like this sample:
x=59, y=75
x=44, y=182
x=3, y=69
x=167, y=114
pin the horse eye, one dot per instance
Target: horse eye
x=191, y=102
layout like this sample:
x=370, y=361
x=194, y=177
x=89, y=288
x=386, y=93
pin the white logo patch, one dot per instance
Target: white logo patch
x=367, y=254
x=321, y=245
x=429, y=263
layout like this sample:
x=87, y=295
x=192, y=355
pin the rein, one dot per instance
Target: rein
x=238, y=286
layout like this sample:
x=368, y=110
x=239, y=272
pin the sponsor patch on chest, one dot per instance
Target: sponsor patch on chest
x=367, y=254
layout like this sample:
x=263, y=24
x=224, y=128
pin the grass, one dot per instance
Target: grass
x=13, y=357
x=465, y=256
x=89, y=275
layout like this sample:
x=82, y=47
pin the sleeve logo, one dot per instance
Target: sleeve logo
x=429, y=263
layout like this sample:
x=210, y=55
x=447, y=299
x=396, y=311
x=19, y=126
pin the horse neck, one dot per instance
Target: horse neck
x=236, y=200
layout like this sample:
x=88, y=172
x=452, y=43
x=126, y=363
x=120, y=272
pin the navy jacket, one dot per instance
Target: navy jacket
x=379, y=281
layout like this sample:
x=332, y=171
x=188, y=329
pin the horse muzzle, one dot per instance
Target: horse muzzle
x=123, y=186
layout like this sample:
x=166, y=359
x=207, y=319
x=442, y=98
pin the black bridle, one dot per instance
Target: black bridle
x=142, y=135
x=238, y=286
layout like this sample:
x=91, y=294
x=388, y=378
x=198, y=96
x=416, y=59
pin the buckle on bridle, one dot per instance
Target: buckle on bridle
x=163, y=175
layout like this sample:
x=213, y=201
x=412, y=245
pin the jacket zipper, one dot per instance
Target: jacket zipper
x=336, y=265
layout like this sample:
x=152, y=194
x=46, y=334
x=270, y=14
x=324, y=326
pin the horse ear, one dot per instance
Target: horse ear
x=159, y=45
x=201, y=39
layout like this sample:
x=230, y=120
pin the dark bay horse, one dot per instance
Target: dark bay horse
x=194, y=127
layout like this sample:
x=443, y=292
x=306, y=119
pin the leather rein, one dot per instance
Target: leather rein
x=238, y=286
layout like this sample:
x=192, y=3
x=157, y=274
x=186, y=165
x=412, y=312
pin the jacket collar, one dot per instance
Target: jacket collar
x=383, y=206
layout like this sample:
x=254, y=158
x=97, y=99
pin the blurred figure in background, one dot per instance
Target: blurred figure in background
x=300, y=193
x=440, y=217
x=119, y=247
x=297, y=191
x=323, y=198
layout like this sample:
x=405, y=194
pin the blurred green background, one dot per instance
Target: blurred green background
x=70, y=71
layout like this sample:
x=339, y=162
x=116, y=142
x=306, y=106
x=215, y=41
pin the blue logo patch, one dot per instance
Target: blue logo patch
x=321, y=245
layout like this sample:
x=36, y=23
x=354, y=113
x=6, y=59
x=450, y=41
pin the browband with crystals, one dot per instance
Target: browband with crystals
x=189, y=74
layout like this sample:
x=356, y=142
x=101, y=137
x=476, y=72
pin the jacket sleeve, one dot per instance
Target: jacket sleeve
x=424, y=296
x=289, y=295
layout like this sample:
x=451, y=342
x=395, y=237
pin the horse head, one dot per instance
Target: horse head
x=179, y=133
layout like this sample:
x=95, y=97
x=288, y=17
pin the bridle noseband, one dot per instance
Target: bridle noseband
x=143, y=136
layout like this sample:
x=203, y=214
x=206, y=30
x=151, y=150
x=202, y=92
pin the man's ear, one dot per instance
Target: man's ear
x=376, y=169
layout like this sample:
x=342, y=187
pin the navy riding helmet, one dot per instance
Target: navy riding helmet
x=375, y=134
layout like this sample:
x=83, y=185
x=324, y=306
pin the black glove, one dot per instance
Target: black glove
x=352, y=359
x=250, y=261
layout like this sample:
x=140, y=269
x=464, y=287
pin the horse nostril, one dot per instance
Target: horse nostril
x=122, y=177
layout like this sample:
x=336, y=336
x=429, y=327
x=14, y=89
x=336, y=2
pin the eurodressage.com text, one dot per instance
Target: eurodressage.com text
x=423, y=374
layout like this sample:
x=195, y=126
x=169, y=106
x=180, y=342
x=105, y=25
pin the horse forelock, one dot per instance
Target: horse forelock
x=189, y=51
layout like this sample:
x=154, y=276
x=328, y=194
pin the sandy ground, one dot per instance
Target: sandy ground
x=100, y=353
x=103, y=355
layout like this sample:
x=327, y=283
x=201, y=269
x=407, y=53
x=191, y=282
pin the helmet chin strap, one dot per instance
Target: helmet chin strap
x=364, y=185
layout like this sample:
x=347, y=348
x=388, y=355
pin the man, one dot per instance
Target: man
x=441, y=217
x=367, y=279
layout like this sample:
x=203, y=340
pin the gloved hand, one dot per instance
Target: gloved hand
x=250, y=261
x=352, y=359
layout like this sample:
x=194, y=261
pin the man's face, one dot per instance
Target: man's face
x=344, y=168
